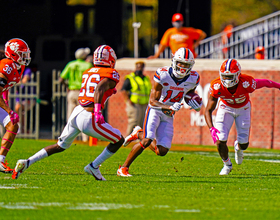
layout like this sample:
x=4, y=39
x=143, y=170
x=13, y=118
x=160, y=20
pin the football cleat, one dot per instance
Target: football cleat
x=21, y=166
x=133, y=136
x=238, y=153
x=226, y=170
x=95, y=172
x=4, y=168
x=123, y=171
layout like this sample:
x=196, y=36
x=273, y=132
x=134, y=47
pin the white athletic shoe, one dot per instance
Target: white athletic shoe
x=95, y=172
x=21, y=166
x=238, y=153
x=133, y=136
x=226, y=170
x=123, y=171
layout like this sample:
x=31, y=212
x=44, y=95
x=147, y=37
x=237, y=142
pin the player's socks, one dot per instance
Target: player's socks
x=102, y=157
x=2, y=158
x=38, y=156
x=227, y=162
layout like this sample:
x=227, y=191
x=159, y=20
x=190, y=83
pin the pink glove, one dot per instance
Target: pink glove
x=214, y=135
x=98, y=114
x=14, y=117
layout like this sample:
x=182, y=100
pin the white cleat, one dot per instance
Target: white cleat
x=21, y=166
x=95, y=172
x=123, y=171
x=226, y=170
x=238, y=153
x=133, y=136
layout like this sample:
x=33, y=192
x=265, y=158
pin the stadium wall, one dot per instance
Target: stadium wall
x=189, y=125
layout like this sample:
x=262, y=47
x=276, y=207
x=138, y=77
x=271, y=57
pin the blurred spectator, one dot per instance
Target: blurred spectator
x=179, y=36
x=226, y=34
x=71, y=76
x=89, y=59
x=260, y=53
x=136, y=90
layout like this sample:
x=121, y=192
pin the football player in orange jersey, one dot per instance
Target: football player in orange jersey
x=11, y=70
x=233, y=89
x=98, y=84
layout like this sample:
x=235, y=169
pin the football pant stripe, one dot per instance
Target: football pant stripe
x=104, y=132
x=146, y=121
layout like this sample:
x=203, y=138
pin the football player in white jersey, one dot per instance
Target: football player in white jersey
x=170, y=87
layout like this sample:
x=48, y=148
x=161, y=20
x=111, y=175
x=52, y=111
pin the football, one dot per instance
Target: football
x=192, y=96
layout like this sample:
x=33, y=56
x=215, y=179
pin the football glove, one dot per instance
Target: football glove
x=214, y=135
x=195, y=105
x=176, y=106
x=98, y=114
x=14, y=117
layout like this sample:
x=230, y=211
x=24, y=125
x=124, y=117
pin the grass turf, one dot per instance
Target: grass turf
x=181, y=185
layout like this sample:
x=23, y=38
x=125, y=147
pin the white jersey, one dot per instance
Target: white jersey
x=174, y=89
x=159, y=124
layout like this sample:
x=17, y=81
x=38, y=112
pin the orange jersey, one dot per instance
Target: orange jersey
x=240, y=98
x=9, y=69
x=91, y=78
x=184, y=38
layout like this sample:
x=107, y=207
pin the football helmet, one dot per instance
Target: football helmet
x=18, y=50
x=229, y=73
x=104, y=55
x=182, y=62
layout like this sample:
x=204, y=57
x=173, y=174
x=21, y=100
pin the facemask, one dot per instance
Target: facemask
x=138, y=72
x=177, y=24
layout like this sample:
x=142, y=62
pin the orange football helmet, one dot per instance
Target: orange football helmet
x=104, y=55
x=18, y=50
x=229, y=73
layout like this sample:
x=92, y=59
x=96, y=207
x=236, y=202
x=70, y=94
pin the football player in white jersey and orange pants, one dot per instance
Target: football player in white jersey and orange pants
x=170, y=87
x=98, y=84
x=233, y=89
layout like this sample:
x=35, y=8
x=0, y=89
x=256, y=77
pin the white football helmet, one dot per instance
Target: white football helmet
x=182, y=62
x=104, y=55
x=229, y=73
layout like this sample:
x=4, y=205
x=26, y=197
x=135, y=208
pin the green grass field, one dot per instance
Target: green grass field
x=181, y=185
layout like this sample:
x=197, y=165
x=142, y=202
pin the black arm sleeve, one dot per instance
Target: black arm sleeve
x=3, y=82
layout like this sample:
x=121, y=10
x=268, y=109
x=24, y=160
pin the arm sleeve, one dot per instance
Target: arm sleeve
x=266, y=83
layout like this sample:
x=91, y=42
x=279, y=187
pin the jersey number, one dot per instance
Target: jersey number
x=89, y=84
x=177, y=98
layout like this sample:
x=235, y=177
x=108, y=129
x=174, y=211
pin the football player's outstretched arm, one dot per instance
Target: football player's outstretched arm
x=266, y=83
